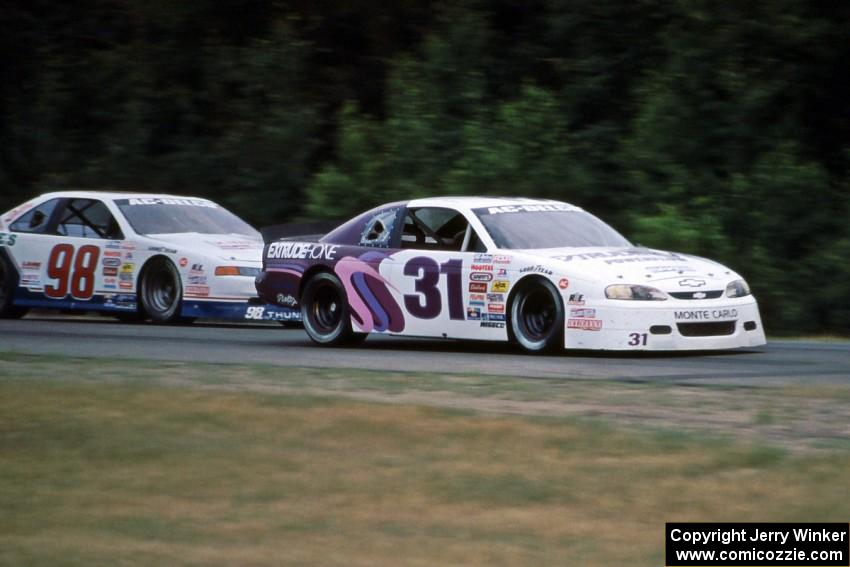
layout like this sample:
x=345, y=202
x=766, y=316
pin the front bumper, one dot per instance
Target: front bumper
x=665, y=326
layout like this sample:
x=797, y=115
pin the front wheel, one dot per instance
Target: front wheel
x=537, y=317
x=8, y=310
x=325, y=313
x=160, y=292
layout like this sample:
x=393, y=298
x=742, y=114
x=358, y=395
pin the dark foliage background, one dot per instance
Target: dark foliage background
x=716, y=128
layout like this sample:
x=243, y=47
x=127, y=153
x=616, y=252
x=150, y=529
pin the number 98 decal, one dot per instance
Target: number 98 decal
x=72, y=272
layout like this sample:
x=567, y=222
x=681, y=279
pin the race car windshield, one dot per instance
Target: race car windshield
x=174, y=216
x=515, y=228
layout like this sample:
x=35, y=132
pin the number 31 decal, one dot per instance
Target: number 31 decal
x=637, y=339
x=80, y=279
x=427, y=303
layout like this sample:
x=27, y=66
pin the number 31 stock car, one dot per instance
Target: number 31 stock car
x=542, y=273
x=160, y=257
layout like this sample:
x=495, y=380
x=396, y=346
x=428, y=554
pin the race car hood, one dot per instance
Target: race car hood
x=668, y=271
x=222, y=246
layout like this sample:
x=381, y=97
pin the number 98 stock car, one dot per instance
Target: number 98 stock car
x=544, y=274
x=162, y=257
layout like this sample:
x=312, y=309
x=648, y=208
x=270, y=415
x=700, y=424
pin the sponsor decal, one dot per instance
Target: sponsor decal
x=501, y=259
x=664, y=269
x=481, y=267
x=198, y=290
x=168, y=201
x=705, y=314
x=109, y=286
x=128, y=256
x=127, y=268
x=538, y=269
x=473, y=313
x=183, y=262
x=197, y=269
x=302, y=250
x=31, y=266
x=477, y=297
x=477, y=287
x=583, y=313
x=492, y=317
x=624, y=256
x=496, y=308
x=502, y=273
x=111, y=262
x=493, y=324
x=480, y=276
x=198, y=280
x=576, y=299
x=585, y=324
x=529, y=208
x=479, y=304
x=691, y=282
x=563, y=283
x=162, y=249
x=113, y=245
x=125, y=276
x=110, y=271
x=233, y=244
x=7, y=239
x=111, y=254
x=128, y=245
x=483, y=258
x=286, y=299
x=496, y=297
x=110, y=281
x=500, y=286
x=30, y=280
x=125, y=285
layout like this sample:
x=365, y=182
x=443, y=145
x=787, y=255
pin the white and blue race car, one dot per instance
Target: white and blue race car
x=162, y=257
x=544, y=274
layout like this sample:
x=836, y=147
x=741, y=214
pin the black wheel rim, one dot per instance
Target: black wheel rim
x=160, y=290
x=537, y=313
x=326, y=308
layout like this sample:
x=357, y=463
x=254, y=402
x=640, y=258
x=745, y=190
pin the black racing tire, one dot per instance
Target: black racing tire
x=8, y=283
x=325, y=313
x=537, y=317
x=161, y=292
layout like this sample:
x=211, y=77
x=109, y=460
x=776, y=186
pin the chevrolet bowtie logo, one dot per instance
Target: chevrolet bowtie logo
x=699, y=295
x=691, y=282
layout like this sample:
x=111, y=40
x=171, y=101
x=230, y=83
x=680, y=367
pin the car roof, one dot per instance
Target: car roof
x=468, y=203
x=111, y=195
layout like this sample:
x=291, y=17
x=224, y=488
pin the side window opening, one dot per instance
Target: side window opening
x=434, y=228
x=88, y=218
x=35, y=220
x=379, y=229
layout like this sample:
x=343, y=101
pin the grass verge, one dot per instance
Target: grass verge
x=143, y=463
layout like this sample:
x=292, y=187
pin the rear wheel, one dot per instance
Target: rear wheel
x=325, y=313
x=160, y=292
x=8, y=281
x=537, y=317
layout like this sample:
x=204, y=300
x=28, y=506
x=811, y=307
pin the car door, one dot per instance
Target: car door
x=445, y=278
x=78, y=257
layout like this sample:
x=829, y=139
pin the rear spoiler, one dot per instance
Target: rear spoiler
x=307, y=231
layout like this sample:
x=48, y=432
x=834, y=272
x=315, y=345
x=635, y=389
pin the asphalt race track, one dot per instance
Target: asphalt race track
x=777, y=363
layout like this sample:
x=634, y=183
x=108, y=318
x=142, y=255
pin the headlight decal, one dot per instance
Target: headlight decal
x=634, y=292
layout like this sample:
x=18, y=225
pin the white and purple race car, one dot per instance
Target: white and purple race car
x=542, y=273
x=134, y=255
